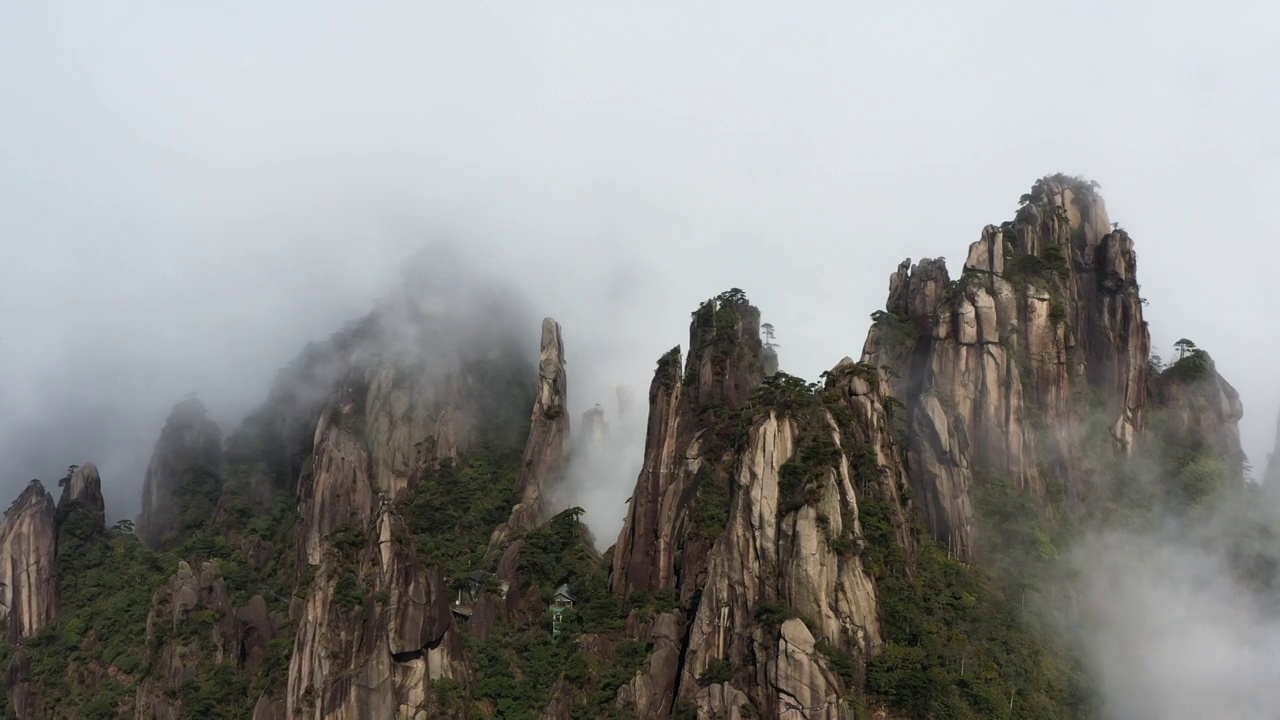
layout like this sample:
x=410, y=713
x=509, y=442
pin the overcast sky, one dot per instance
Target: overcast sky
x=191, y=191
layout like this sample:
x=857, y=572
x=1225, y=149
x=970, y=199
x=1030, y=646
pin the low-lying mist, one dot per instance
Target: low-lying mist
x=1172, y=628
x=607, y=452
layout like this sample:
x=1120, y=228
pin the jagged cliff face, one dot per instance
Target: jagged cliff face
x=371, y=655
x=192, y=619
x=748, y=507
x=28, y=585
x=723, y=370
x=376, y=626
x=184, y=476
x=381, y=540
x=1004, y=370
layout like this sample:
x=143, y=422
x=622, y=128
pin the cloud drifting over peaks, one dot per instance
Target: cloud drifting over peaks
x=190, y=193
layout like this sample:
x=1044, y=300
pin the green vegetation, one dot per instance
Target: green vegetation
x=718, y=671
x=1192, y=364
x=1084, y=190
x=1017, y=549
x=1042, y=270
x=668, y=367
x=800, y=478
x=106, y=582
x=453, y=508
x=955, y=646
x=559, y=553
x=88, y=663
x=710, y=510
x=896, y=330
x=516, y=667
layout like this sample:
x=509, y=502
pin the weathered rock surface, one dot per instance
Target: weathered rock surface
x=22, y=696
x=642, y=559
x=28, y=583
x=764, y=555
x=723, y=369
x=372, y=655
x=743, y=560
x=1200, y=412
x=544, y=456
x=377, y=625
x=1002, y=370
x=192, y=622
x=185, y=470
x=84, y=489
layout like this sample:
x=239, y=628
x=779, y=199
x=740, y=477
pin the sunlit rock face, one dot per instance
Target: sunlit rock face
x=386, y=424
x=28, y=584
x=1038, y=349
x=712, y=521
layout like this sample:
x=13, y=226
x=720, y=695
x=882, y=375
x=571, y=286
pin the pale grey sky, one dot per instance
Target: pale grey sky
x=189, y=192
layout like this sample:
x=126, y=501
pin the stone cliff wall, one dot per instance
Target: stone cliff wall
x=28, y=584
x=747, y=506
x=1001, y=370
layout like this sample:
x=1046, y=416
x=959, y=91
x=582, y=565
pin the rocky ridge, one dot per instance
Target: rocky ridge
x=1004, y=370
x=385, y=539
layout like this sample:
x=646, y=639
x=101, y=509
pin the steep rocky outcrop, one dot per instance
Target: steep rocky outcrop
x=83, y=488
x=1195, y=426
x=377, y=625
x=1201, y=412
x=723, y=370
x=28, y=584
x=1003, y=371
x=387, y=417
x=177, y=659
x=544, y=457
x=184, y=476
x=381, y=540
x=747, y=506
x=353, y=653
x=375, y=629
x=192, y=626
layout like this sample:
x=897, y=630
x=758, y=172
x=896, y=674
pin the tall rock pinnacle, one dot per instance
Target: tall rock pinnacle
x=28, y=586
x=83, y=488
x=544, y=453
x=184, y=474
x=748, y=502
